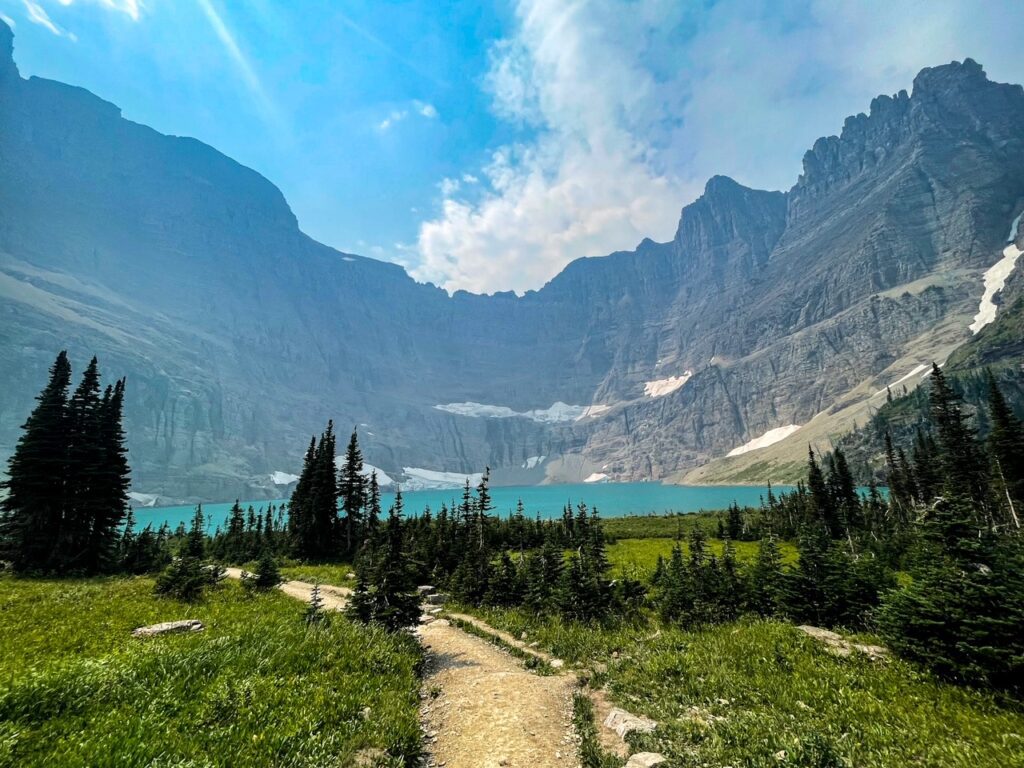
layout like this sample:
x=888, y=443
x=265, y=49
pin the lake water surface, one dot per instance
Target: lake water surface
x=611, y=500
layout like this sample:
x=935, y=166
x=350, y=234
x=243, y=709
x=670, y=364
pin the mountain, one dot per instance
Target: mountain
x=240, y=336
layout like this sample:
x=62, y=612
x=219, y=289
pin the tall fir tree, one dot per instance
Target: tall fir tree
x=386, y=591
x=1006, y=453
x=31, y=514
x=352, y=489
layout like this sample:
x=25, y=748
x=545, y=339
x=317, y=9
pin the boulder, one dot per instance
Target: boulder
x=838, y=645
x=645, y=760
x=623, y=723
x=169, y=628
x=425, y=589
x=436, y=598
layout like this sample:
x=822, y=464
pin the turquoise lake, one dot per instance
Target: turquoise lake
x=611, y=500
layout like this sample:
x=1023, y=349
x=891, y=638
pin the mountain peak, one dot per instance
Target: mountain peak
x=952, y=76
x=7, y=66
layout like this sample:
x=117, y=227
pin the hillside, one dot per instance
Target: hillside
x=239, y=335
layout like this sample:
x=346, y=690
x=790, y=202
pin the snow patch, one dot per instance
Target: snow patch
x=596, y=477
x=283, y=478
x=383, y=479
x=662, y=387
x=770, y=437
x=419, y=479
x=995, y=279
x=347, y=258
x=533, y=461
x=1013, y=228
x=920, y=369
x=144, y=499
x=559, y=412
x=593, y=411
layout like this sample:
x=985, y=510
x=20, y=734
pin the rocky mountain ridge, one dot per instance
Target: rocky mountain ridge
x=240, y=336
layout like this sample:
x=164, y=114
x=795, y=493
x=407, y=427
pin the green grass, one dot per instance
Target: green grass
x=335, y=574
x=658, y=526
x=256, y=688
x=637, y=557
x=743, y=693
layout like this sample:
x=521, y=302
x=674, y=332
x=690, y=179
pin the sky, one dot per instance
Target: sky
x=484, y=145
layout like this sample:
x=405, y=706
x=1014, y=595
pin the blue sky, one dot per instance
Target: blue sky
x=484, y=145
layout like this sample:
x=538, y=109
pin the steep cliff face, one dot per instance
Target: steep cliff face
x=240, y=335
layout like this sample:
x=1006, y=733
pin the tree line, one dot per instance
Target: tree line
x=66, y=492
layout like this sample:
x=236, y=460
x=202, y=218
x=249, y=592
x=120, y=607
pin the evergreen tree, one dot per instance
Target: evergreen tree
x=267, y=575
x=184, y=579
x=766, y=590
x=195, y=542
x=821, y=499
x=353, y=492
x=385, y=591
x=85, y=460
x=32, y=513
x=315, y=609
x=1006, y=451
x=675, y=598
x=958, y=453
x=113, y=481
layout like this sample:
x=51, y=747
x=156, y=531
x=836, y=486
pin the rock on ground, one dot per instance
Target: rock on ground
x=622, y=722
x=838, y=645
x=169, y=628
x=645, y=760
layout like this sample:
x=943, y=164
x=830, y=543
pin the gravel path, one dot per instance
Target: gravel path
x=481, y=708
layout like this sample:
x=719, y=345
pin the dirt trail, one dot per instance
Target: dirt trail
x=335, y=598
x=482, y=709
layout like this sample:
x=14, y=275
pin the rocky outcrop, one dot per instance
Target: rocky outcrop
x=240, y=336
x=169, y=628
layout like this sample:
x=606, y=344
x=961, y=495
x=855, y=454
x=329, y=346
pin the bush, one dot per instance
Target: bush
x=266, y=577
x=184, y=579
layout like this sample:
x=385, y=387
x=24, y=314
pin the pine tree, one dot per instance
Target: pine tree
x=32, y=513
x=1006, y=451
x=267, y=575
x=83, y=498
x=299, y=515
x=353, y=492
x=675, y=598
x=195, y=542
x=821, y=499
x=385, y=591
x=315, y=615
x=373, y=505
x=113, y=481
x=958, y=454
x=765, y=591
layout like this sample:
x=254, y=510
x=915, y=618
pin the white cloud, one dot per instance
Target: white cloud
x=38, y=15
x=396, y=116
x=628, y=106
x=130, y=8
x=449, y=187
x=469, y=178
x=7, y=20
x=428, y=111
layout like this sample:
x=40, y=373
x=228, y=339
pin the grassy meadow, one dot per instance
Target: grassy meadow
x=255, y=688
x=761, y=693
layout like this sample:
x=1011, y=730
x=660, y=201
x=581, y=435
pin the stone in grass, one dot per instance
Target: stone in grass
x=169, y=628
x=425, y=589
x=622, y=722
x=436, y=598
x=838, y=645
x=645, y=760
